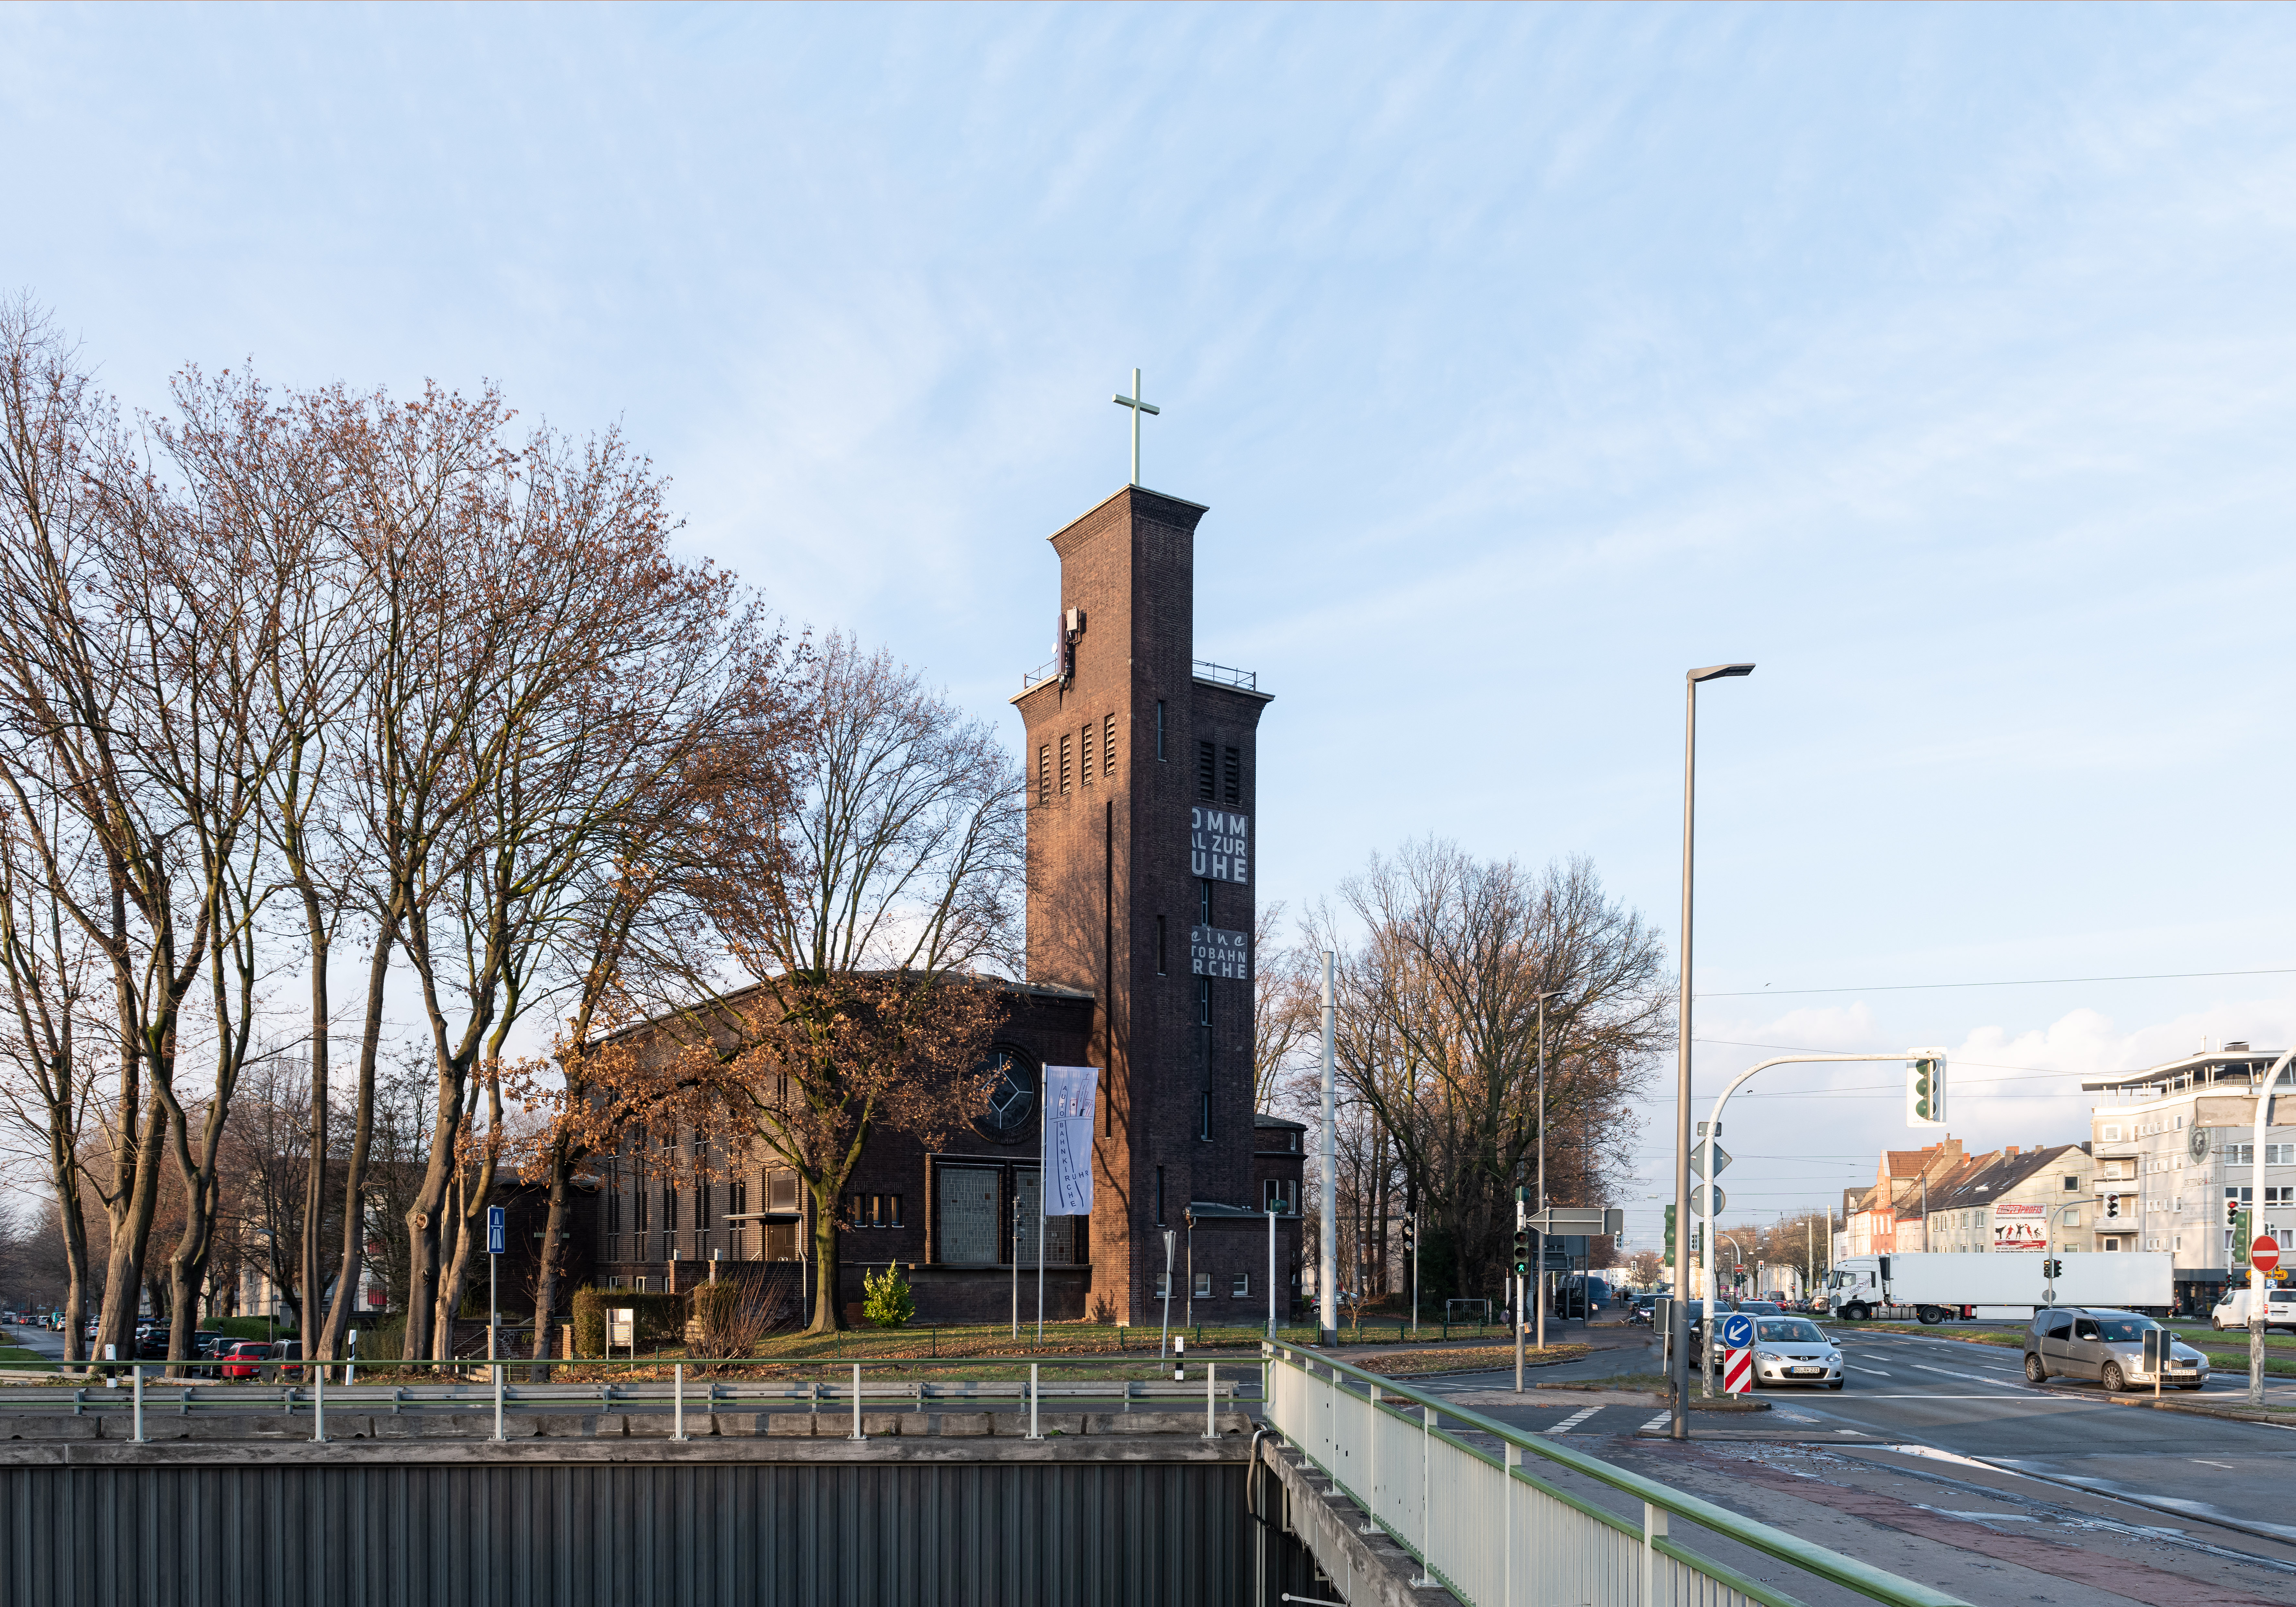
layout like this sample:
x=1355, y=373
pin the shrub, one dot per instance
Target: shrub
x=885, y=1299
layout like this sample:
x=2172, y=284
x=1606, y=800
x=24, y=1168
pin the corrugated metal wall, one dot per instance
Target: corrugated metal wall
x=693, y=1535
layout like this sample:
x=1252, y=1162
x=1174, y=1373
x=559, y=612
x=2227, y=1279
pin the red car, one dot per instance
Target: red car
x=245, y=1359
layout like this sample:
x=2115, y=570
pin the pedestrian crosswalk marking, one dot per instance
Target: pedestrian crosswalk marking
x=1572, y=1422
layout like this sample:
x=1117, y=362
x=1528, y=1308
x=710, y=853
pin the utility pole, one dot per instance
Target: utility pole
x=1327, y=1291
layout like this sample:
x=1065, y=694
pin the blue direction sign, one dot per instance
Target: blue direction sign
x=495, y=1234
x=1737, y=1331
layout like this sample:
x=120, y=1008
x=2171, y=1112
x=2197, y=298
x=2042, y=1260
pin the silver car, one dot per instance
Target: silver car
x=2074, y=1341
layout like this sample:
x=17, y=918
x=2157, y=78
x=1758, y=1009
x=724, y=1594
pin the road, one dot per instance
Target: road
x=1938, y=1462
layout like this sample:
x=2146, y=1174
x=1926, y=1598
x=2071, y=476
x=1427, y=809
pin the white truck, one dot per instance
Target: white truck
x=1939, y=1286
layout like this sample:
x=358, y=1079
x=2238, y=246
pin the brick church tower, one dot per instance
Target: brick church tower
x=1141, y=857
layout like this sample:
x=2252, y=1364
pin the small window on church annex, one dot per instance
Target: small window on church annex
x=1065, y=762
x=1044, y=775
x=1231, y=777
x=1108, y=744
x=1204, y=778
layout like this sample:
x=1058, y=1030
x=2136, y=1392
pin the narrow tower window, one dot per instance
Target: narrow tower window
x=1203, y=904
x=1159, y=946
x=1108, y=744
x=1204, y=771
x=1233, y=776
x=1066, y=761
x=1159, y=728
x=1203, y=1001
x=1087, y=756
x=1044, y=775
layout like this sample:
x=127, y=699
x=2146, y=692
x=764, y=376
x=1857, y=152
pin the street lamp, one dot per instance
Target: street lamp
x=1540, y=1271
x=1680, y=1310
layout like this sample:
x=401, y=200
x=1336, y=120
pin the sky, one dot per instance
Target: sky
x=1940, y=361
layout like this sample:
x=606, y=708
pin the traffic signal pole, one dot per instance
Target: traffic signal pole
x=1709, y=1194
x=2257, y=1289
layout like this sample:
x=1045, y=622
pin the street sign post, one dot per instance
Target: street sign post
x=1698, y=1160
x=495, y=1232
x=2264, y=1254
x=1737, y=1331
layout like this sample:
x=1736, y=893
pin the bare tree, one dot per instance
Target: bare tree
x=1284, y=1005
x=53, y=977
x=1438, y=1034
x=858, y=902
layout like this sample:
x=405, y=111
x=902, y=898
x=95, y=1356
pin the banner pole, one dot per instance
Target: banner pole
x=1044, y=1181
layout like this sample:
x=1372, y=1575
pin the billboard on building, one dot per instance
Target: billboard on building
x=2017, y=1226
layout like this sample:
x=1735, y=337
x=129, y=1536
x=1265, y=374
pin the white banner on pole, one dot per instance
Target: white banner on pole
x=1069, y=1095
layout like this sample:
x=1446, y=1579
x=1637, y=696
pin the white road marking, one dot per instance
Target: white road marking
x=1572, y=1422
x=1974, y=1378
x=1876, y=1372
x=2204, y=1461
x=1663, y=1420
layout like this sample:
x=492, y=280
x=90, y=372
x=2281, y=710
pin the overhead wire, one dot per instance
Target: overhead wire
x=2157, y=976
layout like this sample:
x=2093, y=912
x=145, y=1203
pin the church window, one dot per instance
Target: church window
x=969, y=1231
x=1204, y=766
x=1159, y=946
x=639, y=1200
x=1204, y=1116
x=1159, y=1196
x=1203, y=1285
x=669, y=1208
x=1108, y=744
x=1203, y=1001
x=1045, y=774
x=614, y=1212
x=701, y=1208
x=1087, y=756
x=1231, y=777
x=1065, y=762
x=1243, y=1291
x=1204, y=903
x=1159, y=728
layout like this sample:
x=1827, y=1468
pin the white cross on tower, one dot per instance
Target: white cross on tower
x=1138, y=407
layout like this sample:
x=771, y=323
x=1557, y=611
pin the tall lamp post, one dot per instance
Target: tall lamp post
x=1680, y=1308
x=1327, y=1283
x=2256, y=1292
x=1540, y=1269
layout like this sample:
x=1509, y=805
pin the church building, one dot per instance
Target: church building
x=1142, y=771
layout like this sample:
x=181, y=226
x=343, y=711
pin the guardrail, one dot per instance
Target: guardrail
x=301, y=1388
x=1493, y=1533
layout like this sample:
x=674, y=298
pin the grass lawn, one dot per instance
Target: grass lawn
x=16, y=1356
x=1463, y=1359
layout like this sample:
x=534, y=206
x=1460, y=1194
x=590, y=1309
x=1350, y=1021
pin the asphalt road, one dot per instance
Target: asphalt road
x=1940, y=1463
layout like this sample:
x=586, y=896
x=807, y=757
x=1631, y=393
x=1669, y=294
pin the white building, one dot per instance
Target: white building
x=2172, y=1146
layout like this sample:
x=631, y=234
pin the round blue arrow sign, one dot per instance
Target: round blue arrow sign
x=1737, y=1331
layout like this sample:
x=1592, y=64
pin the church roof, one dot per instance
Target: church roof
x=1262, y=1118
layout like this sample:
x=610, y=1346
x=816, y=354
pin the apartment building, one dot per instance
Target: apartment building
x=2174, y=1153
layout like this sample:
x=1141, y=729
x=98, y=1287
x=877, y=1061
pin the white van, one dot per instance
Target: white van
x=2279, y=1308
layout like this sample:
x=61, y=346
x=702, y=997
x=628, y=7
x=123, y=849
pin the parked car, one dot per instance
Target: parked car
x=246, y=1360
x=2232, y=1310
x=152, y=1344
x=1644, y=1311
x=2109, y=1346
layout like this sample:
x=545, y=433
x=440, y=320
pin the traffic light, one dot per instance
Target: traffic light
x=1669, y=1234
x=2112, y=1206
x=1523, y=1252
x=1410, y=1233
x=2232, y=1210
x=1925, y=1091
x=2052, y=1269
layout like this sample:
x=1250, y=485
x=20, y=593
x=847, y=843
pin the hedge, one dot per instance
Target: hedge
x=660, y=1318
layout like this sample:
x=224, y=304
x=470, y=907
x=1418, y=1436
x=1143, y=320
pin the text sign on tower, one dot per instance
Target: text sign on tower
x=1216, y=952
x=1219, y=844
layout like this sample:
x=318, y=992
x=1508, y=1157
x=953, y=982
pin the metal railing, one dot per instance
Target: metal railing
x=1247, y=679
x=1495, y=1534
x=140, y=1389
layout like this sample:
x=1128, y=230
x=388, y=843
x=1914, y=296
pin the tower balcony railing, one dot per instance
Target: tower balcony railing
x=1048, y=670
x=1247, y=680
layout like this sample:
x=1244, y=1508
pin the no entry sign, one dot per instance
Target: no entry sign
x=2264, y=1254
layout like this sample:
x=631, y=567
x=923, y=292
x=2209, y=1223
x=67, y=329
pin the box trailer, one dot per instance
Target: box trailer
x=1937, y=1286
